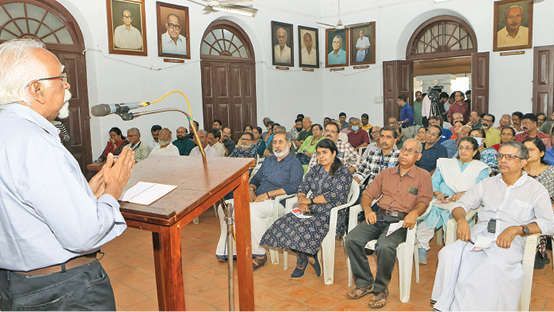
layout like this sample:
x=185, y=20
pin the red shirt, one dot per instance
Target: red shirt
x=459, y=107
x=357, y=139
x=520, y=137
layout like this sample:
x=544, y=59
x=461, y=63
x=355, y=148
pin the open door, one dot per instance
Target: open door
x=480, y=82
x=397, y=80
x=543, y=80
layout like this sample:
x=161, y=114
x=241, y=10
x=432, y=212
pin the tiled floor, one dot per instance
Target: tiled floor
x=130, y=265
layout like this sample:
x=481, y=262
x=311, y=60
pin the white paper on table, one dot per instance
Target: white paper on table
x=393, y=227
x=145, y=193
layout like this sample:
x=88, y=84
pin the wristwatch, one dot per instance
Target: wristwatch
x=525, y=230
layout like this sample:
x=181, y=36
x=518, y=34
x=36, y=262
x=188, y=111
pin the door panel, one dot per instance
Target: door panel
x=480, y=82
x=397, y=80
x=543, y=80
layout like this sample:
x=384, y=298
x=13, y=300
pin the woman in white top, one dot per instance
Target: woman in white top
x=452, y=178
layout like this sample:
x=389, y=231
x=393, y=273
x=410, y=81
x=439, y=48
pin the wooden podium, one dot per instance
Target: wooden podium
x=199, y=187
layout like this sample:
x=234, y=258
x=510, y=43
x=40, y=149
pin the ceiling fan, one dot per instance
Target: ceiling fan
x=339, y=25
x=229, y=6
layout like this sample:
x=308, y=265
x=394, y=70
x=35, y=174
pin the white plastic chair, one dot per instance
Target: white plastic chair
x=274, y=253
x=327, y=250
x=404, y=253
x=451, y=226
x=528, y=265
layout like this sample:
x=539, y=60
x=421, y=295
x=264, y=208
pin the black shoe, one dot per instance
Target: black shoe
x=540, y=261
x=301, y=264
x=316, y=266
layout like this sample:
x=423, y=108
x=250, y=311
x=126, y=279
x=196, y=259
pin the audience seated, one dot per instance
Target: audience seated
x=307, y=149
x=446, y=134
x=366, y=126
x=164, y=147
x=507, y=134
x=296, y=129
x=214, y=141
x=217, y=125
x=546, y=127
x=488, y=276
x=403, y=194
x=357, y=137
x=209, y=150
x=280, y=174
x=227, y=140
x=452, y=178
x=325, y=186
x=305, y=132
x=114, y=145
x=432, y=150
x=393, y=123
x=459, y=106
x=492, y=134
x=182, y=143
x=260, y=144
x=474, y=120
x=245, y=147
x=141, y=150
x=516, y=121
x=479, y=135
x=529, y=127
x=374, y=161
x=505, y=121
x=342, y=120
x=538, y=169
x=155, y=131
x=346, y=153
x=190, y=135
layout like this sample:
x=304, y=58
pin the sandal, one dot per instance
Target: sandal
x=258, y=262
x=357, y=293
x=316, y=266
x=379, y=301
x=301, y=264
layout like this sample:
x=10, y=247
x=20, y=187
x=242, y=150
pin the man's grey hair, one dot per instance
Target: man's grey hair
x=354, y=119
x=282, y=130
x=134, y=130
x=522, y=151
x=18, y=68
x=201, y=132
x=418, y=145
x=514, y=6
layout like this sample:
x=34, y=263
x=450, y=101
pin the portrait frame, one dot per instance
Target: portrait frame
x=330, y=33
x=182, y=12
x=499, y=23
x=315, y=34
x=290, y=42
x=115, y=10
x=369, y=30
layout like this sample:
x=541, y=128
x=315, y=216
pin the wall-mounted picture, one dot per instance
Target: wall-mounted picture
x=362, y=44
x=282, y=44
x=308, y=41
x=513, y=25
x=337, y=47
x=126, y=27
x=173, y=30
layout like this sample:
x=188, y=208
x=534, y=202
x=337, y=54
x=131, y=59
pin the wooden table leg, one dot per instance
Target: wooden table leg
x=169, y=273
x=244, y=246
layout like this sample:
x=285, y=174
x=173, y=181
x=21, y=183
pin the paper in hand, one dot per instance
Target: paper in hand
x=393, y=227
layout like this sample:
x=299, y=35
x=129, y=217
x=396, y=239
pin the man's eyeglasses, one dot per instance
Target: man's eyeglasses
x=174, y=26
x=409, y=151
x=507, y=156
x=63, y=77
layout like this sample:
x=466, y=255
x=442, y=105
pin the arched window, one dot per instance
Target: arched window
x=26, y=20
x=442, y=36
x=224, y=41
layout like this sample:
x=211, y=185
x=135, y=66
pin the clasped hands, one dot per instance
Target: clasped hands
x=504, y=240
x=444, y=199
x=114, y=175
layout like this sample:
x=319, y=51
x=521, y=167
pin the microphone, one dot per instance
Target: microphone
x=101, y=110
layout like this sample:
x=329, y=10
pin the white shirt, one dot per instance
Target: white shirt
x=219, y=149
x=174, y=47
x=363, y=43
x=48, y=213
x=127, y=38
x=170, y=150
x=505, y=40
x=209, y=150
x=282, y=56
x=309, y=58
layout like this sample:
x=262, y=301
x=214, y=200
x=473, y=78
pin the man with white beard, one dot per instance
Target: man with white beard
x=482, y=270
x=280, y=174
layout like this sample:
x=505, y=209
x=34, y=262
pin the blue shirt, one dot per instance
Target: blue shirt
x=273, y=175
x=407, y=115
x=48, y=213
x=429, y=157
x=337, y=59
x=549, y=156
x=445, y=135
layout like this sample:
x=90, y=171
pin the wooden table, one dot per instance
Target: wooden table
x=199, y=187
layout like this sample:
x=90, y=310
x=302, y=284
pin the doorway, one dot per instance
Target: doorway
x=49, y=22
x=228, y=77
x=453, y=74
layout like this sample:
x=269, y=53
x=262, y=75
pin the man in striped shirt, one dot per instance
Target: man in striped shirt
x=347, y=154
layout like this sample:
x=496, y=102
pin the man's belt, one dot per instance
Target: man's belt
x=68, y=265
x=396, y=214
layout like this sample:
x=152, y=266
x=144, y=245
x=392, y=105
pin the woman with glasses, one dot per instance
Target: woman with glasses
x=538, y=169
x=324, y=187
x=452, y=178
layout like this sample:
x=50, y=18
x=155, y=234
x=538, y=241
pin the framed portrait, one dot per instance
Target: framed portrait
x=513, y=25
x=282, y=44
x=362, y=44
x=173, y=30
x=308, y=41
x=336, y=48
x=126, y=27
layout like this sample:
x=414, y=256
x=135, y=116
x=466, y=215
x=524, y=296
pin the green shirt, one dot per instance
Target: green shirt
x=309, y=145
x=303, y=135
x=184, y=146
x=417, y=113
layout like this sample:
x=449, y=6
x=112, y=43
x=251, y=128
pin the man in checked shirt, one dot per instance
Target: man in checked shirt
x=346, y=153
x=373, y=161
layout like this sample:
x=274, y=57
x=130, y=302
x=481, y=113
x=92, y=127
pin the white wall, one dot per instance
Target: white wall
x=510, y=76
x=283, y=94
x=280, y=94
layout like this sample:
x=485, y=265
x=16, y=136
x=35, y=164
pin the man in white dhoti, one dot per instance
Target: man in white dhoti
x=483, y=270
x=362, y=47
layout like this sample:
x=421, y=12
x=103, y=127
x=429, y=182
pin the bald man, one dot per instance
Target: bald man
x=513, y=34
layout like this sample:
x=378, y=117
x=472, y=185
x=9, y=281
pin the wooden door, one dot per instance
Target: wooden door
x=397, y=80
x=543, y=80
x=480, y=82
x=228, y=77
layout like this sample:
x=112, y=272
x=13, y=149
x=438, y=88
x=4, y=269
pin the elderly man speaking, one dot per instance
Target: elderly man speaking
x=52, y=222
